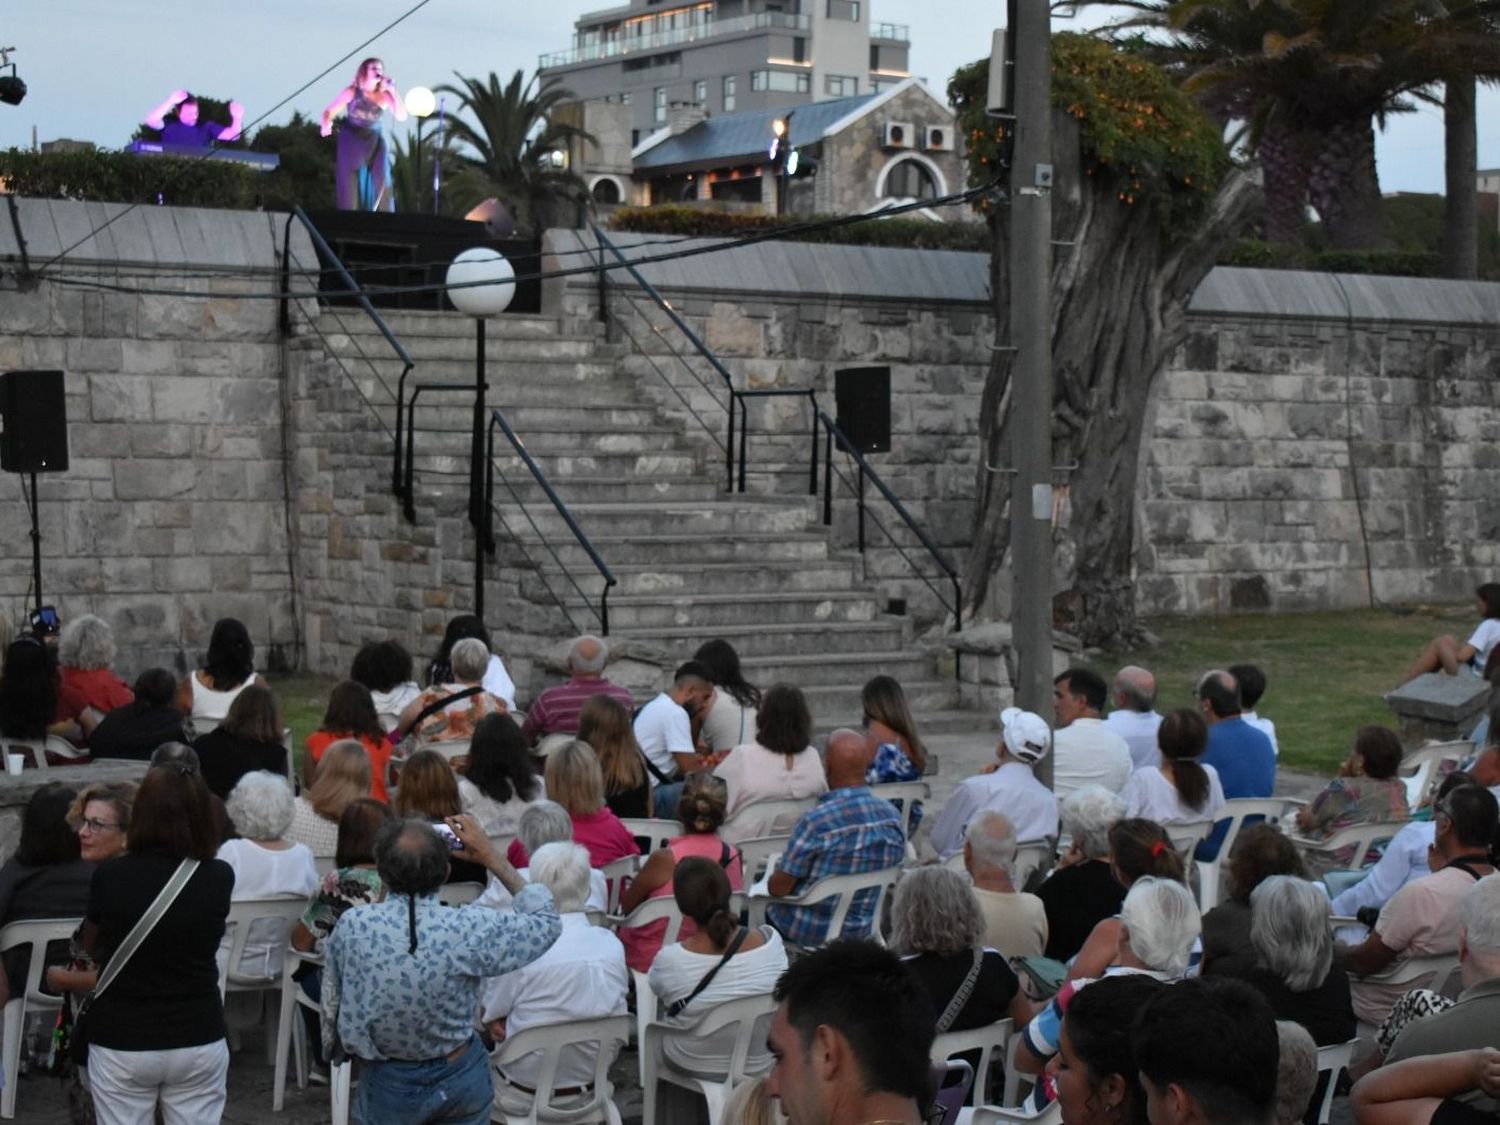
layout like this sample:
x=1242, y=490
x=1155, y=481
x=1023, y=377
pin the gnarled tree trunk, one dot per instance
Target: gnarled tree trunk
x=1345, y=189
x=1120, y=293
x=1285, y=159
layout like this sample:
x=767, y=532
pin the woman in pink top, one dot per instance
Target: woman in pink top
x=575, y=781
x=701, y=811
x=780, y=765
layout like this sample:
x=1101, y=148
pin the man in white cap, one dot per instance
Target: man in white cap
x=1007, y=785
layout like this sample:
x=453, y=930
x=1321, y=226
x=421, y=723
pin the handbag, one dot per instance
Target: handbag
x=79, y=1046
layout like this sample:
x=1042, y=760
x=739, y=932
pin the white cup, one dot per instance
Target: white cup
x=14, y=764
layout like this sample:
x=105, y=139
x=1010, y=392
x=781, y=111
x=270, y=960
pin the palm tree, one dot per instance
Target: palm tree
x=510, y=149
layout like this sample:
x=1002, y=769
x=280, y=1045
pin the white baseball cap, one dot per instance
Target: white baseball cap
x=1026, y=734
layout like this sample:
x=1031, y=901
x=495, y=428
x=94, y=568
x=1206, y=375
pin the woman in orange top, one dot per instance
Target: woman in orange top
x=351, y=714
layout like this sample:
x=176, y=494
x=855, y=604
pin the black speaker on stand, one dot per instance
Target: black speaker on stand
x=862, y=401
x=34, y=439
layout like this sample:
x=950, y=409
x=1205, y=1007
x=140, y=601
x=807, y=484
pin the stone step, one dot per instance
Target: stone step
x=550, y=427
x=557, y=465
x=839, y=671
x=718, y=517
x=694, y=488
x=831, y=640
x=432, y=322
x=931, y=700
x=751, y=579
x=661, y=611
x=673, y=551
x=428, y=349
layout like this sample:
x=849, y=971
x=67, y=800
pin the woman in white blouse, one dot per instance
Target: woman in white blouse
x=780, y=765
x=1179, y=791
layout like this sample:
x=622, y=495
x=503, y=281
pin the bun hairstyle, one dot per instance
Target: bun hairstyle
x=704, y=803
x=1141, y=847
x=701, y=888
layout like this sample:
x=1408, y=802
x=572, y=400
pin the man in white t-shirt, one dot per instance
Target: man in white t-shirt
x=664, y=729
x=1084, y=750
x=1252, y=683
x=1133, y=716
x=1007, y=785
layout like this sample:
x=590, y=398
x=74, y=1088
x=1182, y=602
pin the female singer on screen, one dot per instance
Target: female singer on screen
x=362, y=175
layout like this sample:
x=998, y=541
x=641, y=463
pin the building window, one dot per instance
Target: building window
x=909, y=179
x=799, y=50
x=781, y=81
x=606, y=191
x=700, y=92
x=730, y=82
x=844, y=10
x=625, y=98
x=838, y=86
x=660, y=111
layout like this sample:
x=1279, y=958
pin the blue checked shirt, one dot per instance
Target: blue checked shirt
x=848, y=832
x=385, y=1003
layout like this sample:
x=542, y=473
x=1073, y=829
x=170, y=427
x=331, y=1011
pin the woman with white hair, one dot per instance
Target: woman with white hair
x=265, y=863
x=543, y=822
x=449, y=712
x=1082, y=891
x=87, y=687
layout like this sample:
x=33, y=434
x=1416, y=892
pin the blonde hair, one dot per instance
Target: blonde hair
x=342, y=776
x=574, y=779
x=429, y=787
x=605, y=725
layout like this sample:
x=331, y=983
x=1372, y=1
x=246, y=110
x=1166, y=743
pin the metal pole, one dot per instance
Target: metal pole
x=437, y=156
x=36, y=544
x=476, y=458
x=417, y=202
x=1031, y=332
x=861, y=509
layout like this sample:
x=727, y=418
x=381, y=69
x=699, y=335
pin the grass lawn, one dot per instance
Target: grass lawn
x=302, y=697
x=1325, y=672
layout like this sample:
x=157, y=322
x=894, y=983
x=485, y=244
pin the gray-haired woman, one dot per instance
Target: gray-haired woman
x=87, y=687
x=449, y=712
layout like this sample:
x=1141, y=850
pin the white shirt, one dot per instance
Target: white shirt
x=677, y=971
x=1013, y=790
x=390, y=704
x=1404, y=859
x=1265, y=726
x=1086, y=752
x=663, y=729
x=1483, y=639
x=496, y=897
x=1149, y=794
x=1138, y=729
x=498, y=683
x=261, y=872
x=582, y=977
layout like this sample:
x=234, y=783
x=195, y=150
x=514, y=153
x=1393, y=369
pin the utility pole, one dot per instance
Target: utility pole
x=1030, y=261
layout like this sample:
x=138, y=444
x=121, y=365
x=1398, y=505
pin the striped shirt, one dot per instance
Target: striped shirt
x=555, y=711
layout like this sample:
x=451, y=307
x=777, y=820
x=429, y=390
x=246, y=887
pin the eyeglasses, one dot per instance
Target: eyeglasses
x=1442, y=808
x=94, y=825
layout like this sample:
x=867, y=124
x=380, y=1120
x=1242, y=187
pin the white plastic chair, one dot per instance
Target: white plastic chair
x=459, y=894
x=290, y=1034
x=757, y=852
x=340, y=1078
x=999, y=1115
x=1037, y=855
x=37, y=749
x=1014, y=1078
x=1331, y=1062
x=648, y=911
x=1357, y=838
x=908, y=793
x=1271, y=810
x=765, y=818
x=617, y=873
x=1186, y=837
x=749, y=1016
x=36, y=935
x=595, y=1104
x=655, y=830
x=1422, y=771
x=242, y=916
x=990, y=1041
x=843, y=887
x=323, y=864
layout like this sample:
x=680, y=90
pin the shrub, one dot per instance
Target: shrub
x=123, y=177
x=921, y=234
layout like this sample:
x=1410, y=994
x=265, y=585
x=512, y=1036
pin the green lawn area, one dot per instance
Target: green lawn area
x=302, y=697
x=1325, y=672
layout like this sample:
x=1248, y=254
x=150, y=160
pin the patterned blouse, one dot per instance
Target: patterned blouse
x=341, y=889
x=454, y=723
x=1347, y=801
x=891, y=765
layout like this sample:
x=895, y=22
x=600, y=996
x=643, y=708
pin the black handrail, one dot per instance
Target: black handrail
x=347, y=278
x=769, y=392
x=408, y=491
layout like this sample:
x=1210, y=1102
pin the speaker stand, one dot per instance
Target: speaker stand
x=36, y=545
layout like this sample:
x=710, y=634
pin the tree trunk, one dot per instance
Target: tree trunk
x=1460, y=170
x=1285, y=161
x=1345, y=189
x=1120, y=293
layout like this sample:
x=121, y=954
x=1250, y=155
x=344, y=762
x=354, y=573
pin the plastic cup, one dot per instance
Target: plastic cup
x=14, y=764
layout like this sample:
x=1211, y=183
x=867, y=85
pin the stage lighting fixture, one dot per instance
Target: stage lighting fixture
x=12, y=89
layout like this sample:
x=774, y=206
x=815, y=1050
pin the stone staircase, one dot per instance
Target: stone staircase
x=692, y=562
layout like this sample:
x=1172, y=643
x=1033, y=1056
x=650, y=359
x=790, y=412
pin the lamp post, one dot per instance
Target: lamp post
x=480, y=283
x=420, y=103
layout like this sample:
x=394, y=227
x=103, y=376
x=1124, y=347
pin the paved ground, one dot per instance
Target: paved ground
x=41, y=1101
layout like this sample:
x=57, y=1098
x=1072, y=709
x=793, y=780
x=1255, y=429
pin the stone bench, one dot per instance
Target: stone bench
x=15, y=792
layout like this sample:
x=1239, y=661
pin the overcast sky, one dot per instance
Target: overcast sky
x=96, y=67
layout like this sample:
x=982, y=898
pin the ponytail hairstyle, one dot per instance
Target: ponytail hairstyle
x=1140, y=847
x=1182, y=736
x=702, y=891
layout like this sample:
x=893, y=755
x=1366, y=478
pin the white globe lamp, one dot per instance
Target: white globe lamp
x=481, y=282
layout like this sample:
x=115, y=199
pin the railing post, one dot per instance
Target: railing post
x=409, y=495
x=812, y=468
x=861, y=503
x=828, y=477
x=744, y=436
x=729, y=445
x=489, y=491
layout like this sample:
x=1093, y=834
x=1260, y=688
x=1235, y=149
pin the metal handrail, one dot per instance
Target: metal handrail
x=408, y=491
x=353, y=286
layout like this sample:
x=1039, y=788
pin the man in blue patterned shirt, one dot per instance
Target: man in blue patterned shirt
x=848, y=832
x=401, y=985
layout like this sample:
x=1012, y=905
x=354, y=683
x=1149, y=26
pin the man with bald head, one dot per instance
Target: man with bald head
x=555, y=711
x=1133, y=716
x=848, y=832
x=1241, y=754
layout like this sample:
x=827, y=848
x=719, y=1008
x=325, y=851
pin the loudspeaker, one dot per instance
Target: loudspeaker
x=862, y=402
x=35, y=420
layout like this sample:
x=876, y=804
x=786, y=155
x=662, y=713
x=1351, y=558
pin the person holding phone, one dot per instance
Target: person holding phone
x=362, y=173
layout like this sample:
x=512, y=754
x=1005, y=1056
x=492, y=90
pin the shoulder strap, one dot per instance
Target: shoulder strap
x=961, y=997
x=1463, y=864
x=146, y=923
x=661, y=778
x=675, y=1008
x=439, y=704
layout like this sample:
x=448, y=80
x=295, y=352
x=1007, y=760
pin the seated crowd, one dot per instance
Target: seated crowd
x=1071, y=911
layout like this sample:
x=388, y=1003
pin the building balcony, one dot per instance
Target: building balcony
x=710, y=29
x=891, y=32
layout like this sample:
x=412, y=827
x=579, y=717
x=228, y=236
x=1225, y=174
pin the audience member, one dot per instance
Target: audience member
x=265, y=863
x=100, y=815
x=449, y=712
x=555, y=711
x=1082, y=890
x=1448, y=654
x=1180, y=790
x=1422, y=917
x=1260, y=851
x=385, y=669
x=228, y=668
x=849, y=831
x=353, y=880
x=1085, y=751
x=575, y=782
x=1240, y=754
x=351, y=715
x=136, y=729
x=1094, y=1073
x=780, y=765
x=605, y=725
x=938, y=930
x=46, y=878
x=1208, y=1051
x=701, y=812
x=1133, y=716
x=581, y=976
x=1296, y=1071
x=1139, y=849
x=402, y=978
x=730, y=720
x=87, y=687
x=749, y=1104
x=1252, y=684
x=495, y=679
x=1014, y=922
x=544, y=822
x=851, y=1039
x=499, y=777
x=248, y=739
x=171, y=753
x=429, y=791
x=1007, y=784
x=28, y=692
x=664, y=730
x=342, y=777
x=1366, y=791
x=1427, y=1089
x=897, y=753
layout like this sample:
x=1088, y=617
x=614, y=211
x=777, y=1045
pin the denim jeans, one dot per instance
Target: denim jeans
x=665, y=797
x=413, y=1093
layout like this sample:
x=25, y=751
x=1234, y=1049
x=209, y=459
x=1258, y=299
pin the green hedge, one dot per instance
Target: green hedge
x=921, y=234
x=1256, y=254
x=123, y=177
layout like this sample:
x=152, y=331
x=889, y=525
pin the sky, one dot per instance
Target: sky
x=94, y=68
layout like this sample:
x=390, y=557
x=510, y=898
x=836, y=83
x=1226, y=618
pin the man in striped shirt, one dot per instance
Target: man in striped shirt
x=555, y=711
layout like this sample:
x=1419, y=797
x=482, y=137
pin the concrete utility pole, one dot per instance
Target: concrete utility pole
x=1030, y=263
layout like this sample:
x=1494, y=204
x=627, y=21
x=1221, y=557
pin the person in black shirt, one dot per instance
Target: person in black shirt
x=139, y=727
x=1082, y=891
x=249, y=739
